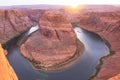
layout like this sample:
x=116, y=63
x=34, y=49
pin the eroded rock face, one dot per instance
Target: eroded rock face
x=6, y=71
x=35, y=14
x=12, y=23
x=107, y=25
x=53, y=44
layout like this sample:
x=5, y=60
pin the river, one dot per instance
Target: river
x=95, y=48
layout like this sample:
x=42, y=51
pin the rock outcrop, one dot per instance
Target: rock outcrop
x=53, y=44
x=12, y=23
x=6, y=71
x=107, y=25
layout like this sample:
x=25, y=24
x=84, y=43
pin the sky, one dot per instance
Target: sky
x=56, y=2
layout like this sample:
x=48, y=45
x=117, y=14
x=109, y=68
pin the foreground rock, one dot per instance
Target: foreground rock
x=6, y=71
x=107, y=25
x=54, y=44
x=12, y=23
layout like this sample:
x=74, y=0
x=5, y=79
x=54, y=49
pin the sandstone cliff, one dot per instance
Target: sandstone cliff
x=6, y=71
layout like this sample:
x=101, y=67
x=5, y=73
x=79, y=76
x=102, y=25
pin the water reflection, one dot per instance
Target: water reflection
x=33, y=29
x=95, y=48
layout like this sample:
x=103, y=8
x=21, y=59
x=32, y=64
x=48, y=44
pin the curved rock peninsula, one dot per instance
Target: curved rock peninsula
x=53, y=44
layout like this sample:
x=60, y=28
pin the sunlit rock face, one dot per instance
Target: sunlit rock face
x=107, y=25
x=53, y=44
x=116, y=77
x=6, y=71
x=12, y=23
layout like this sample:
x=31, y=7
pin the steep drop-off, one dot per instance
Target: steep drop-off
x=6, y=71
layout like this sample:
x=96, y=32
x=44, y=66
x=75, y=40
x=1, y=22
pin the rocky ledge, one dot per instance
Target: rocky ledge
x=6, y=71
x=54, y=44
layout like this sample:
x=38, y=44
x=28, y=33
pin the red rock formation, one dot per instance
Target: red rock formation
x=13, y=22
x=6, y=71
x=107, y=25
x=53, y=44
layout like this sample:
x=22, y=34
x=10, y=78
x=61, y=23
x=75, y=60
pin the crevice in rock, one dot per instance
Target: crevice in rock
x=57, y=35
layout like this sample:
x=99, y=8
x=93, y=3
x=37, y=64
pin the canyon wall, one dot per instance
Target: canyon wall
x=13, y=22
x=106, y=23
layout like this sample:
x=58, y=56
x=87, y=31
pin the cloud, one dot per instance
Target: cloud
x=63, y=2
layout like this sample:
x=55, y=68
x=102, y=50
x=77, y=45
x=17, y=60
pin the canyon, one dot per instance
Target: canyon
x=52, y=37
x=50, y=46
